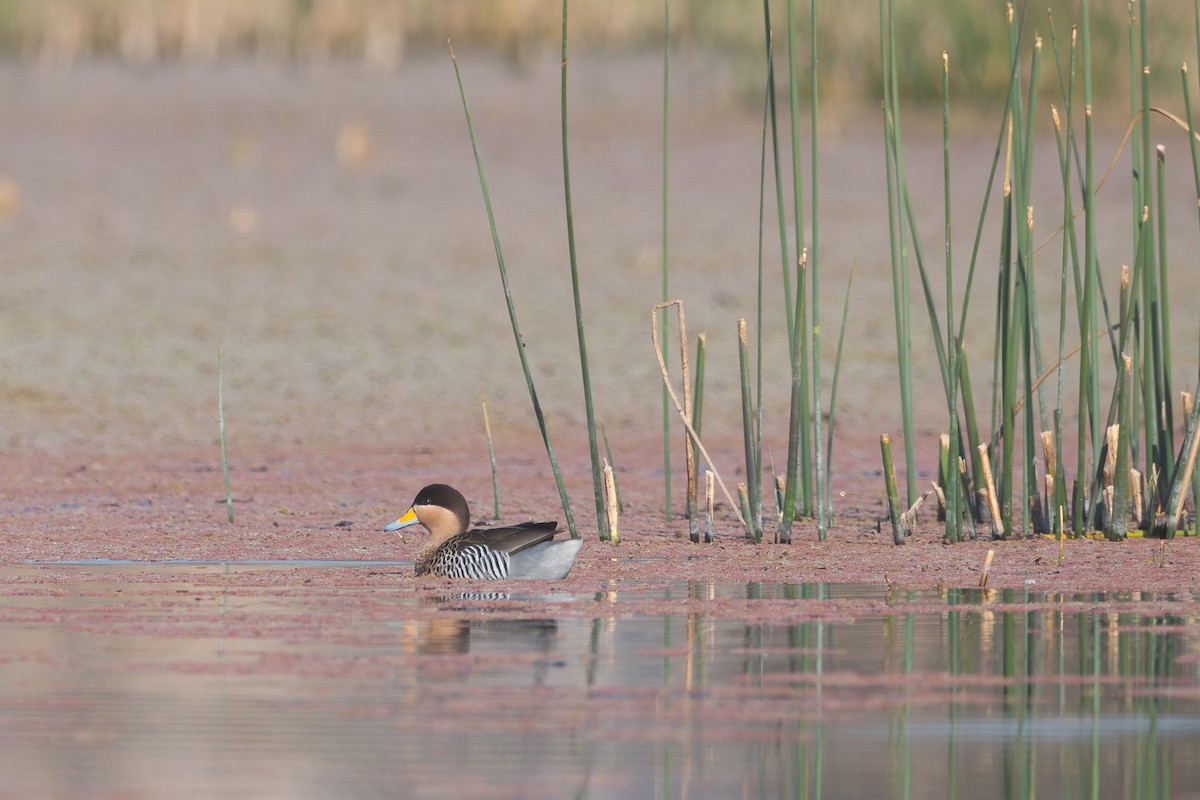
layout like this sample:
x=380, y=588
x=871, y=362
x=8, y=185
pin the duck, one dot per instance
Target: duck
x=526, y=551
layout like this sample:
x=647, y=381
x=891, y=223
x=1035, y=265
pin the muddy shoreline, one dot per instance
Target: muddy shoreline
x=331, y=504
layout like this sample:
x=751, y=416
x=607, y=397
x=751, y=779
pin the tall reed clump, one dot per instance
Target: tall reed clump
x=512, y=312
x=808, y=469
x=1129, y=476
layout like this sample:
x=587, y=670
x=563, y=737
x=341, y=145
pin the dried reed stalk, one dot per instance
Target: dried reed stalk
x=989, y=486
x=893, y=494
x=487, y=429
x=611, y=504
x=679, y=408
x=987, y=566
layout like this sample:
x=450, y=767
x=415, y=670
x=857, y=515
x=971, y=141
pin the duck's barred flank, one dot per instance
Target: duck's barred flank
x=475, y=562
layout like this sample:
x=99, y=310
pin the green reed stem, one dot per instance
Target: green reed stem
x=698, y=383
x=512, y=311
x=1089, y=356
x=795, y=421
x=1070, y=256
x=593, y=447
x=1064, y=163
x=950, y=476
x=749, y=435
x=696, y=392
x=780, y=207
x=1187, y=105
x=897, y=229
x=221, y=428
x=973, y=483
x=666, y=401
x=1156, y=457
x=1163, y=368
x=1008, y=343
x=815, y=273
x=837, y=365
x=755, y=517
x=804, y=452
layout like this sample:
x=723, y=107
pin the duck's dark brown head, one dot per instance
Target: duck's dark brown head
x=440, y=509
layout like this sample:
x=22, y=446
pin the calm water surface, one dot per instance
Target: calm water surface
x=180, y=680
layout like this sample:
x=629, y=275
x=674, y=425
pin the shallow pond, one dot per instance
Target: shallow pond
x=315, y=680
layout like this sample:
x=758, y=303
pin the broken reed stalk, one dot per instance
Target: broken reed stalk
x=611, y=505
x=989, y=486
x=1049, y=501
x=744, y=501
x=909, y=518
x=679, y=409
x=221, y=428
x=987, y=566
x=1184, y=470
x=779, y=490
x=609, y=457
x=1120, y=509
x=589, y=410
x=964, y=493
x=944, y=476
x=1062, y=531
x=1137, y=495
x=893, y=495
x=487, y=429
x=512, y=311
x=941, y=500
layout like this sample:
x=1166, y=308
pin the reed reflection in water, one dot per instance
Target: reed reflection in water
x=191, y=682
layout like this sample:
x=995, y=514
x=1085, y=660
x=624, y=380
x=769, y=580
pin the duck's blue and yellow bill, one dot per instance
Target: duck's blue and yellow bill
x=409, y=518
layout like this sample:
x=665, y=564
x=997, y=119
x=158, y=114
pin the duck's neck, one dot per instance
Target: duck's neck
x=442, y=524
x=425, y=559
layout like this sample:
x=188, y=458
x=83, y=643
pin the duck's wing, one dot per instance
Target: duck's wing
x=510, y=539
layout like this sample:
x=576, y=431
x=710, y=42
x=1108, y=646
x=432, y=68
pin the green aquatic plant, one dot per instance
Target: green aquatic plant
x=1130, y=475
x=593, y=448
x=512, y=311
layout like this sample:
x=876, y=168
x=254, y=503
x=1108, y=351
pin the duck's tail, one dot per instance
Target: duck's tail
x=549, y=561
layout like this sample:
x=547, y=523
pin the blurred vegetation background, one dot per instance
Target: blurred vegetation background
x=381, y=33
